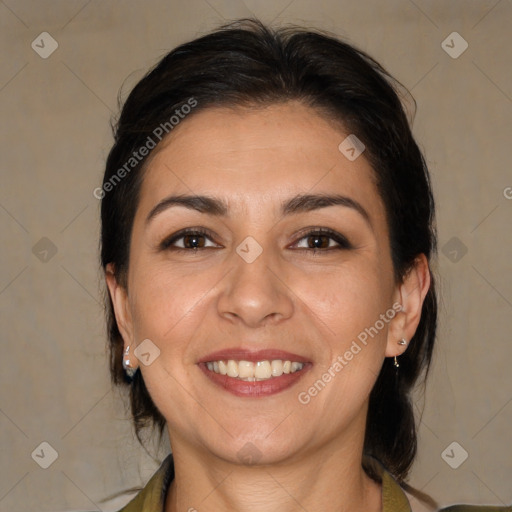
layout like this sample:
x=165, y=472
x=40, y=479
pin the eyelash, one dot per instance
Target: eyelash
x=344, y=244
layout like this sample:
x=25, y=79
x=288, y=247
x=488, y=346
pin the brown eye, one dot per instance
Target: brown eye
x=195, y=241
x=318, y=241
x=324, y=240
x=187, y=240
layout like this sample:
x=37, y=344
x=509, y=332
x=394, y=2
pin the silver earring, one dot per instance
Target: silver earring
x=127, y=365
x=403, y=341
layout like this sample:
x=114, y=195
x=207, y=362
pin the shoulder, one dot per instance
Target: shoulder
x=423, y=503
x=152, y=497
x=476, y=508
x=403, y=497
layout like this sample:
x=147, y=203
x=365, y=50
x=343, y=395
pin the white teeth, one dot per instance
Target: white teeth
x=232, y=368
x=250, y=372
x=245, y=369
x=262, y=370
x=223, y=368
x=276, y=367
x=295, y=366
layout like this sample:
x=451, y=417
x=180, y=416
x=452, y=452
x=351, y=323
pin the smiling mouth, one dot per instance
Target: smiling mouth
x=249, y=371
x=254, y=374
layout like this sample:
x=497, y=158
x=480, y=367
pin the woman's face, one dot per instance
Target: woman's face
x=255, y=289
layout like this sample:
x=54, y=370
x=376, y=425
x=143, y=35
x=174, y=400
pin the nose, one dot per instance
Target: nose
x=256, y=293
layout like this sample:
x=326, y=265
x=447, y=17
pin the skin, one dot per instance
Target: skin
x=192, y=303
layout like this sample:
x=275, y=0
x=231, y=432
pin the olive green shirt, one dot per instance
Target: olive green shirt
x=394, y=499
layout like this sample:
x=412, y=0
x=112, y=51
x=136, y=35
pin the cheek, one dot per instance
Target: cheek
x=345, y=298
x=172, y=303
x=168, y=301
x=349, y=298
x=348, y=304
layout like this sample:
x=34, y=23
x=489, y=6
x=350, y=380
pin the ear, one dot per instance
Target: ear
x=410, y=294
x=119, y=297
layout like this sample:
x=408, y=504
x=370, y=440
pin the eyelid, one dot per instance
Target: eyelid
x=341, y=240
x=167, y=242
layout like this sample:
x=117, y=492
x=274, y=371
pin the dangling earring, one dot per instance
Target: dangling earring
x=403, y=341
x=127, y=365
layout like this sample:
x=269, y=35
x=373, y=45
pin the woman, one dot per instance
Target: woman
x=267, y=229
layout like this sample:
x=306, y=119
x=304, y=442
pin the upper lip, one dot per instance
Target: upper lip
x=243, y=354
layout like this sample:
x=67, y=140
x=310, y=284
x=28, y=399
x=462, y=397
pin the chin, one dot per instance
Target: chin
x=259, y=449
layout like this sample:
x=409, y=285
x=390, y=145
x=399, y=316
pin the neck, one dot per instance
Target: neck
x=327, y=479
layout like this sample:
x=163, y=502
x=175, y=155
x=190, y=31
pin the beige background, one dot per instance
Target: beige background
x=54, y=139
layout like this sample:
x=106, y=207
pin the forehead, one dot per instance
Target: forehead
x=249, y=154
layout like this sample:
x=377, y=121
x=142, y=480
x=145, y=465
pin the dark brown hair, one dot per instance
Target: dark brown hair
x=248, y=64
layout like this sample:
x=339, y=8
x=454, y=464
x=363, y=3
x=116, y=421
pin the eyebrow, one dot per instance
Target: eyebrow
x=295, y=205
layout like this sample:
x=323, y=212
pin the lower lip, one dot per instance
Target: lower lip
x=255, y=389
